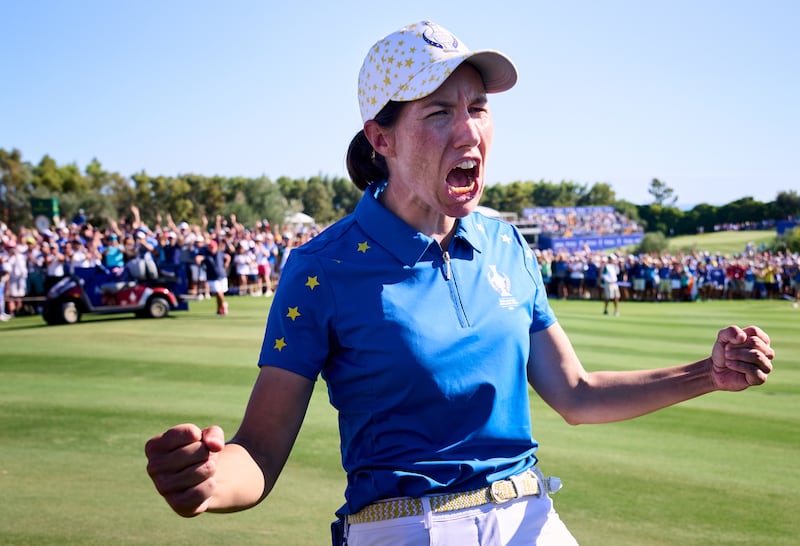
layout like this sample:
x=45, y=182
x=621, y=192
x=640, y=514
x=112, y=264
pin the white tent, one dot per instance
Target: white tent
x=299, y=218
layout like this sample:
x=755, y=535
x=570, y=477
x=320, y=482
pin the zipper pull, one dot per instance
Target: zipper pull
x=446, y=258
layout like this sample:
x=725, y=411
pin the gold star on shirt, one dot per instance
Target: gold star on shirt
x=312, y=282
x=280, y=344
x=293, y=313
x=363, y=247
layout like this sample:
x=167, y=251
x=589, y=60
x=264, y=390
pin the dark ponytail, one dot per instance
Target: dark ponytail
x=364, y=164
x=361, y=166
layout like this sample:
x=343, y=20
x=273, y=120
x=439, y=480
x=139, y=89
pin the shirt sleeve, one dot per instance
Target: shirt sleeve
x=297, y=336
x=543, y=315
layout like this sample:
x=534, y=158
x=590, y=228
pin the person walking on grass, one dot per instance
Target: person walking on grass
x=215, y=262
x=609, y=277
x=428, y=321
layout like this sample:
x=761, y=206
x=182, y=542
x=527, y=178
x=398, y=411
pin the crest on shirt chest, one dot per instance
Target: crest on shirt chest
x=501, y=283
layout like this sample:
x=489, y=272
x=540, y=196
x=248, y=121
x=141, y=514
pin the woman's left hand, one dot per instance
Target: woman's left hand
x=741, y=358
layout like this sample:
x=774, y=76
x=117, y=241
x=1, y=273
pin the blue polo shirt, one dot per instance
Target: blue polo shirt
x=424, y=352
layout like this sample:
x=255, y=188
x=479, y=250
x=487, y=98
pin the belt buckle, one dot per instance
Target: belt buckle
x=496, y=493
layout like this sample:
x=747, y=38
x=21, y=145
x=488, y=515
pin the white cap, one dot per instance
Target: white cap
x=414, y=61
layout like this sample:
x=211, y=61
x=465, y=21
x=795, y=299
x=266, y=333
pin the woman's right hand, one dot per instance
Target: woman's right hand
x=182, y=463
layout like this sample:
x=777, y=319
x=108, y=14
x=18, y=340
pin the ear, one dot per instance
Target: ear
x=380, y=138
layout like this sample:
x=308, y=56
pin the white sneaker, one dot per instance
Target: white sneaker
x=268, y=293
x=4, y=317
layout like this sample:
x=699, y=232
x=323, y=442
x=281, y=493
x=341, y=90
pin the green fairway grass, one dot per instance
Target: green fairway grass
x=78, y=402
x=724, y=242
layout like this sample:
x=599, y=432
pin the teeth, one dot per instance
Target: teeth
x=467, y=164
x=463, y=190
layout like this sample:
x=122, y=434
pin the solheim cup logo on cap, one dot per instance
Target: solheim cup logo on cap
x=439, y=37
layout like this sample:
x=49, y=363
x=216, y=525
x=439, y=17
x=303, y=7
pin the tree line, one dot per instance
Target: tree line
x=106, y=196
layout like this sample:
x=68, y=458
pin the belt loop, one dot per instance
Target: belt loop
x=553, y=484
x=540, y=478
x=547, y=485
x=427, y=512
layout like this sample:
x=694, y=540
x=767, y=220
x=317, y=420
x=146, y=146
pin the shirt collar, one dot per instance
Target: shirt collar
x=398, y=238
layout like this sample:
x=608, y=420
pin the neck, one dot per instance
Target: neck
x=419, y=216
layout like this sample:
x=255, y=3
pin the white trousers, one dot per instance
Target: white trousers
x=526, y=521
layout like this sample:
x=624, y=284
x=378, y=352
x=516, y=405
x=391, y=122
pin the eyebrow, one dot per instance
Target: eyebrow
x=481, y=99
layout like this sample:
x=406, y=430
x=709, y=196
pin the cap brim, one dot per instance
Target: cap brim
x=498, y=72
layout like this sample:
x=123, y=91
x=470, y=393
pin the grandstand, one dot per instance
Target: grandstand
x=573, y=228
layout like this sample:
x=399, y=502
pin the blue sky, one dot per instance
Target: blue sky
x=703, y=95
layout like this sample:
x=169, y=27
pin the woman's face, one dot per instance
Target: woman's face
x=436, y=153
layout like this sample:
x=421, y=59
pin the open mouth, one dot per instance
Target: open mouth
x=461, y=180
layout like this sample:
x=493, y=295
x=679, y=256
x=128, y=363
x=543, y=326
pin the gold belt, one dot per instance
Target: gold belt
x=522, y=485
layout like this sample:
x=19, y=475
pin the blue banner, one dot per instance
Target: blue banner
x=594, y=243
x=785, y=225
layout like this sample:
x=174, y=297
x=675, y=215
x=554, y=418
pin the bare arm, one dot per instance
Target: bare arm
x=269, y=429
x=171, y=224
x=739, y=358
x=137, y=220
x=195, y=471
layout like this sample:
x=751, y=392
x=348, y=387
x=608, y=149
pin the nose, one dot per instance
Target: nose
x=468, y=130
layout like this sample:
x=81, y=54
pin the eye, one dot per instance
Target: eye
x=437, y=113
x=479, y=109
x=480, y=106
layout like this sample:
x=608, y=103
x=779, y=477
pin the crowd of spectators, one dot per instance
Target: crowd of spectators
x=745, y=226
x=32, y=260
x=752, y=274
x=581, y=221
